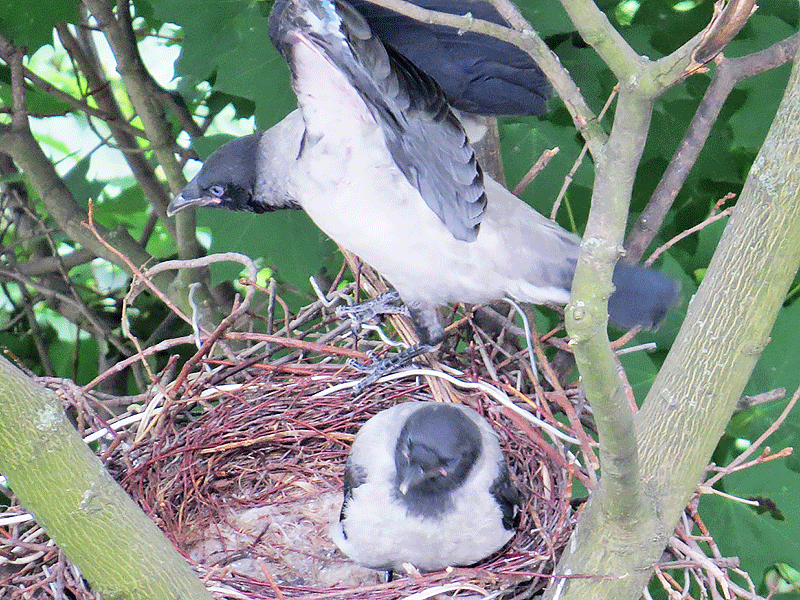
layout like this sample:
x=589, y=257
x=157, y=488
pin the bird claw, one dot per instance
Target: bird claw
x=364, y=368
x=385, y=366
x=370, y=310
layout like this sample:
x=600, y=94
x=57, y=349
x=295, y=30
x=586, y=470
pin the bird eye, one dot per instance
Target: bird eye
x=216, y=190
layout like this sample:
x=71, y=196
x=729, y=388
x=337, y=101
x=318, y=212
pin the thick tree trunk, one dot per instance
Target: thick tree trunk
x=691, y=401
x=118, y=548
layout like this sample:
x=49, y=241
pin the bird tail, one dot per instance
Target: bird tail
x=642, y=296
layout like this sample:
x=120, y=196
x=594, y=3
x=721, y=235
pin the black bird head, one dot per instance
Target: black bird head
x=435, y=452
x=248, y=173
x=227, y=179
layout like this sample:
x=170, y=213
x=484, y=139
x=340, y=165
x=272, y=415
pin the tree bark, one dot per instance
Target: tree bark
x=118, y=548
x=695, y=393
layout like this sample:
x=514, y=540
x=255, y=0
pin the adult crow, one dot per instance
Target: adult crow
x=382, y=165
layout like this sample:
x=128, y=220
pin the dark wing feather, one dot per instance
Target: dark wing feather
x=507, y=497
x=433, y=152
x=354, y=476
x=478, y=73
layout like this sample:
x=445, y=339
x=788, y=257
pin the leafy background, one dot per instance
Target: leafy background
x=226, y=64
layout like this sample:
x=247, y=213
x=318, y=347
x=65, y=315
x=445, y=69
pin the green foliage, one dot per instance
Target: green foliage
x=760, y=538
x=38, y=102
x=641, y=371
x=244, y=62
x=264, y=237
x=778, y=366
x=226, y=60
x=81, y=187
x=761, y=30
x=31, y=23
x=523, y=141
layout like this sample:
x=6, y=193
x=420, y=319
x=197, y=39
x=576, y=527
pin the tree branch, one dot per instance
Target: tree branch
x=144, y=94
x=127, y=143
x=97, y=525
x=698, y=386
x=19, y=143
x=730, y=71
x=596, y=30
x=716, y=350
x=78, y=104
x=728, y=20
x=587, y=313
x=141, y=88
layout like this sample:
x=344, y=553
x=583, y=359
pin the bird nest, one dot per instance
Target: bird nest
x=240, y=459
x=247, y=480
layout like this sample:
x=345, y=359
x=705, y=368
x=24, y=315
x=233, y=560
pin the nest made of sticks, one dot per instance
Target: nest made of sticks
x=240, y=461
x=248, y=485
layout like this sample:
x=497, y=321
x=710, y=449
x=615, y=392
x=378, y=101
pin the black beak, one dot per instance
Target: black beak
x=181, y=202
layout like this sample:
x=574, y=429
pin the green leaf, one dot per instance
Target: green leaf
x=130, y=208
x=79, y=186
x=669, y=29
x=759, y=540
x=204, y=146
x=31, y=24
x=523, y=141
x=227, y=42
x=39, y=103
x=544, y=20
x=77, y=363
x=764, y=92
x=641, y=372
x=778, y=366
x=161, y=245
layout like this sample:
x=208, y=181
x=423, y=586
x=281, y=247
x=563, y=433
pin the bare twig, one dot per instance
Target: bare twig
x=687, y=232
x=579, y=160
x=729, y=17
x=757, y=443
x=126, y=142
x=746, y=402
x=730, y=71
x=537, y=168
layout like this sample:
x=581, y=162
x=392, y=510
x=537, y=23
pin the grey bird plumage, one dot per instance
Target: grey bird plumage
x=382, y=165
x=425, y=483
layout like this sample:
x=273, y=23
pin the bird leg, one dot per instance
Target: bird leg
x=430, y=332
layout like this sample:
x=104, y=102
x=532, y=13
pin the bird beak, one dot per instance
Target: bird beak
x=414, y=476
x=182, y=202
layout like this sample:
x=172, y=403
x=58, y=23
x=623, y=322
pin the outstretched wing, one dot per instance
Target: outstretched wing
x=478, y=73
x=426, y=140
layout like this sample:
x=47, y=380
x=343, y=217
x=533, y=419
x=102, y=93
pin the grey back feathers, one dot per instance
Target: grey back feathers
x=425, y=483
